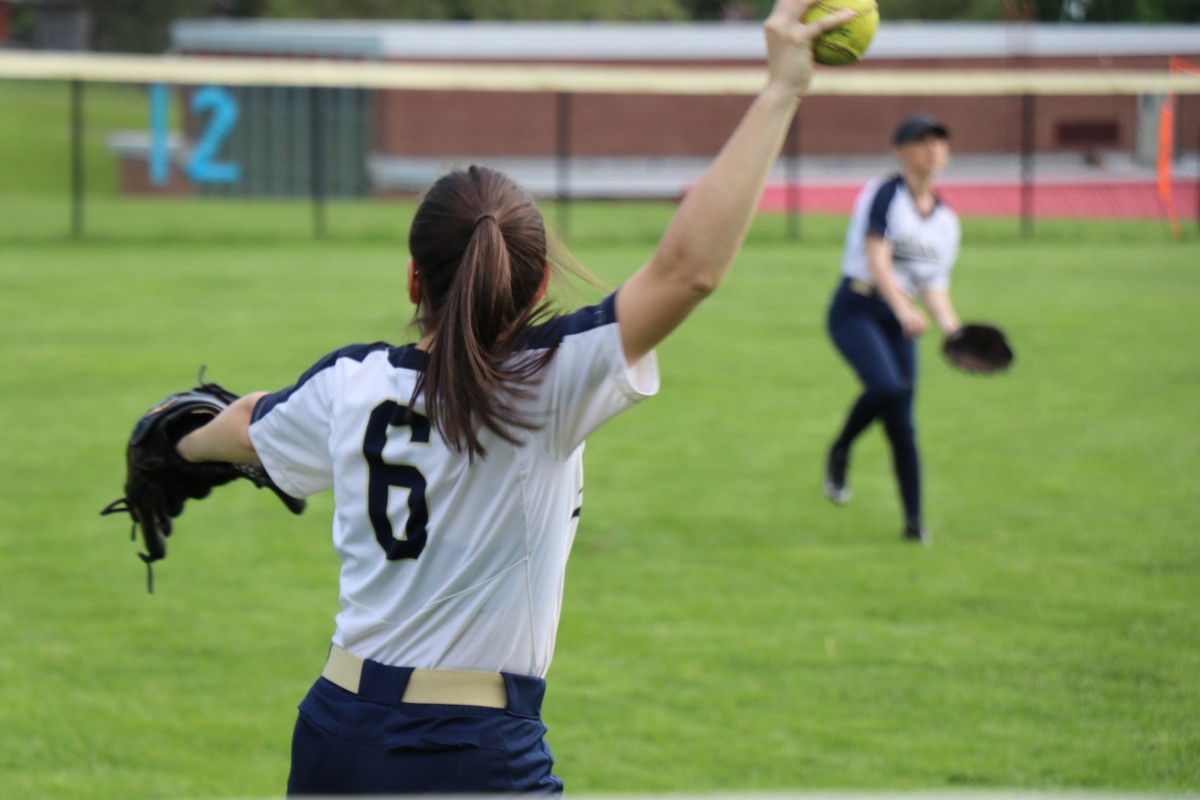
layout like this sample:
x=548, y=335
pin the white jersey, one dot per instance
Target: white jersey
x=924, y=246
x=446, y=564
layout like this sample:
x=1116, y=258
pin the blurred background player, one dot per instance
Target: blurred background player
x=901, y=244
x=456, y=463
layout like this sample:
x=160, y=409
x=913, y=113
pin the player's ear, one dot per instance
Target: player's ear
x=414, y=284
x=544, y=287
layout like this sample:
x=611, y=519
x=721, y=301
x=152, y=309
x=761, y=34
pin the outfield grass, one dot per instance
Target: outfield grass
x=725, y=628
x=35, y=139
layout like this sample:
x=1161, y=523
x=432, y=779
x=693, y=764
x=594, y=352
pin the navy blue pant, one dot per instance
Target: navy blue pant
x=869, y=337
x=371, y=743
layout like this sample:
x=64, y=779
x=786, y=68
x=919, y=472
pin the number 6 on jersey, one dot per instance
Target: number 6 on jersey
x=382, y=476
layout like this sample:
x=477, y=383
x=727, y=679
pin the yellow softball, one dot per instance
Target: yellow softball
x=846, y=43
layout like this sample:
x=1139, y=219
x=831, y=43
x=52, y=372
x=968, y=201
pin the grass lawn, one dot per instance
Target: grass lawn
x=725, y=628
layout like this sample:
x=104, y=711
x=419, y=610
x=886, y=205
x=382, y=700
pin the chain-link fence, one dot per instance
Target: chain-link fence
x=1028, y=145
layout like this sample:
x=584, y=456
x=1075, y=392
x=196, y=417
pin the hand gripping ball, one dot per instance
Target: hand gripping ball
x=846, y=43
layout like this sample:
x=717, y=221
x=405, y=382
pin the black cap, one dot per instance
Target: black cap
x=916, y=127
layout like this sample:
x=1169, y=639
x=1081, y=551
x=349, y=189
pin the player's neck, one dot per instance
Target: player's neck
x=921, y=188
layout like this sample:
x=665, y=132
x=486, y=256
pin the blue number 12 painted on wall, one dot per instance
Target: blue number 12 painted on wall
x=202, y=167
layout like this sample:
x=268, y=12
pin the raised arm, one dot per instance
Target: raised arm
x=707, y=231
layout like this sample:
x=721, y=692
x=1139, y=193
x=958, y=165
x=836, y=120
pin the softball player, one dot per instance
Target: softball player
x=901, y=245
x=456, y=463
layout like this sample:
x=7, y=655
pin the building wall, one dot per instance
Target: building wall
x=133, y=175
x=428, y=124
x=402, y=138
x=524, y=124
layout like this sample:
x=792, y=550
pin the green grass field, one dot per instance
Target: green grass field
x=725, y=629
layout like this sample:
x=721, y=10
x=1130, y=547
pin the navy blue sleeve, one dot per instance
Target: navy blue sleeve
x=356, y=352
x=877, y=218
x=553, y=331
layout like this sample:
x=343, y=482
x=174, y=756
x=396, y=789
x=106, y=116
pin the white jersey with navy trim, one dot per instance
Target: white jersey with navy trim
x=445, y=565
x=924, y=246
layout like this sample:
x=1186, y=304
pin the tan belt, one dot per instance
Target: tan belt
x=446, y=687
x=862, y=287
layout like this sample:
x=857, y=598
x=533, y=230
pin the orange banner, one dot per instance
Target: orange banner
x=1166, y=155
x=1166, y=146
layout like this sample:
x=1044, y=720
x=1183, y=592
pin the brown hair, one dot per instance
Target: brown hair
x=479, y=246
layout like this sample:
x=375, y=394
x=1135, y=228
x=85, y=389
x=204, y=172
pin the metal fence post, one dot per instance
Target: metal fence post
x=317, y=160
x=77, y=187
x=793, y=211
x=1028, y=147
x=562, y=129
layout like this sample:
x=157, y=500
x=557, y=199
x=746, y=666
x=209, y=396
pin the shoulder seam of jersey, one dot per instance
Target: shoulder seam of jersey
x=354, y=352
x=551, y=333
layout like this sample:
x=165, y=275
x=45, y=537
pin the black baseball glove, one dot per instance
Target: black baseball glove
x=978, y=347
x=158, y=481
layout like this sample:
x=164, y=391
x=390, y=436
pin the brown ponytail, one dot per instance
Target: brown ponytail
x=478, y=244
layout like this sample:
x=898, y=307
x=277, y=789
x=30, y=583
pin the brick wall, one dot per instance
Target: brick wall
x=524, y=124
